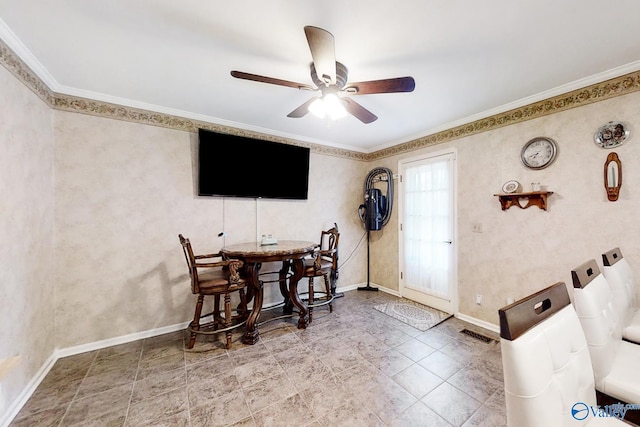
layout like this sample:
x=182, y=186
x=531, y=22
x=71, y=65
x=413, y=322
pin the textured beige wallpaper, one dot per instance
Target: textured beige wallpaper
x=26, y=226
x=522, y=251
x=123, y=193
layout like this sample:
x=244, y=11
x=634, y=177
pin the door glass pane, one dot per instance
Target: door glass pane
x=427, y=226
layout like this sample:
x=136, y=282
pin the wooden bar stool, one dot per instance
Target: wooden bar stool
x=211, y=275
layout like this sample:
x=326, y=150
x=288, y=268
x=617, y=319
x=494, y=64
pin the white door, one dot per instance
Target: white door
x=427, y=230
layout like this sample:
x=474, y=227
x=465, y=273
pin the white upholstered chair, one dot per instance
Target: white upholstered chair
x=547, y=368
x=620, y=277
x=616, y=363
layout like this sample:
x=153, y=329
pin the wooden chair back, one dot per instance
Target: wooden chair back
x=208, y=262
x=191, y=262
x=329, y=246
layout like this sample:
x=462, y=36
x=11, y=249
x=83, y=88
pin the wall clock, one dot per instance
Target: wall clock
x=539, y=153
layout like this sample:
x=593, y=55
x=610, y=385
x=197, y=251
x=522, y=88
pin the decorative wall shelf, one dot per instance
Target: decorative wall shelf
x=524, y=200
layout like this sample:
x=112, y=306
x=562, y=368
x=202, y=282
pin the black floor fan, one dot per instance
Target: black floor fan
x=376, y=210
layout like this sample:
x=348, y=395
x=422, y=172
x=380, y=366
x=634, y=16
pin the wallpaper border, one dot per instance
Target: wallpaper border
x=611, y=88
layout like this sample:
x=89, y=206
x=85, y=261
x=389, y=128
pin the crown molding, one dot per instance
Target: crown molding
x=19, y=68
x=611, y=88
x=608, y=89
x=180, y=122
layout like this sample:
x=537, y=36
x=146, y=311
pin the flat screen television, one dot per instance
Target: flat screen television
x=237, y=166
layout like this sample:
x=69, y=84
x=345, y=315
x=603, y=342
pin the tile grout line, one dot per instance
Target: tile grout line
x=133, y=385
x=186, y=383
x=75, y=395
x=351, y=316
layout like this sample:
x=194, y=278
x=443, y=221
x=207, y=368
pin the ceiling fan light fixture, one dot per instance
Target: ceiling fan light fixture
x=317, y=108
x=334, y=107
x=330, y=104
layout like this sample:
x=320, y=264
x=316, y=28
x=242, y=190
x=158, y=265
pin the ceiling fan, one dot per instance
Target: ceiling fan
x=330, y=78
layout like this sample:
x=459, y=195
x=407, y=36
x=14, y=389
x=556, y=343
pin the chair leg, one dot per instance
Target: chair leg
x=195, y=324
x=227, y=317
x=327, y=289
x=310, y=299
x=216, y=311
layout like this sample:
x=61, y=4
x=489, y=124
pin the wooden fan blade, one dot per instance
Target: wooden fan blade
x=302, y=110
x=361, y=113
x=323, y=52
x=398, y=84
x=271, y=80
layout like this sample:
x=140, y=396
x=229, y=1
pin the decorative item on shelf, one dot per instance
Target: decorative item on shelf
x=535, y=186
x=612, y=134
x=511, y=187
x=539, y=152
x=612, y=176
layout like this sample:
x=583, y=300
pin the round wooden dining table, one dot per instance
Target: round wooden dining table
x=253, y=254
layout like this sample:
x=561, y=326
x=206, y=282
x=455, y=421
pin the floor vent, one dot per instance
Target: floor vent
x=477, y=336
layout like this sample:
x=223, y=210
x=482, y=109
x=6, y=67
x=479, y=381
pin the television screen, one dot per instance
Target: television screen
x=230, y=165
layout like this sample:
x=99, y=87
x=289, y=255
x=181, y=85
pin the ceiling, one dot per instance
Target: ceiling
x=469, y=59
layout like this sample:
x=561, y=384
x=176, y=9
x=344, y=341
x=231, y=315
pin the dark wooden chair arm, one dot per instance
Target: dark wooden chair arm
x=328, y=252
x=217, y=255
x=235, y=264
x=211, y=264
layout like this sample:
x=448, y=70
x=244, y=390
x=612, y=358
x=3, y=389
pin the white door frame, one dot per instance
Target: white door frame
x=454, y=273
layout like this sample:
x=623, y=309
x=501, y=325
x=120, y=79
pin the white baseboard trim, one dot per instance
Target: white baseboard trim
x=16, y=405
x=97, y=345
x=346, y=288
x=23, y=397
x=373, y=285
x=389, y=291
x=478, y=322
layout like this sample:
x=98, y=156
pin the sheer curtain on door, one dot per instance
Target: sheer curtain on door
x=427, y=226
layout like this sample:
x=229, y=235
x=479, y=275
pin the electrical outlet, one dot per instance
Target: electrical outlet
x=476, y=227
x=479, y=299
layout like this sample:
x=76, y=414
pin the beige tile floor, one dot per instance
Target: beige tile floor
x=354, y=367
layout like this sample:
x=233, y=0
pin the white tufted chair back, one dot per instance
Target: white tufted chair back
x=546, y=362
x=602, y=327
x=620, y=277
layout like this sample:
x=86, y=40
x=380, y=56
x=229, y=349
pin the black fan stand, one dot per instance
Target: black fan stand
x=368, y=287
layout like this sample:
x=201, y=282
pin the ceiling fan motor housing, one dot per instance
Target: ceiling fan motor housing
x=341, y=76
